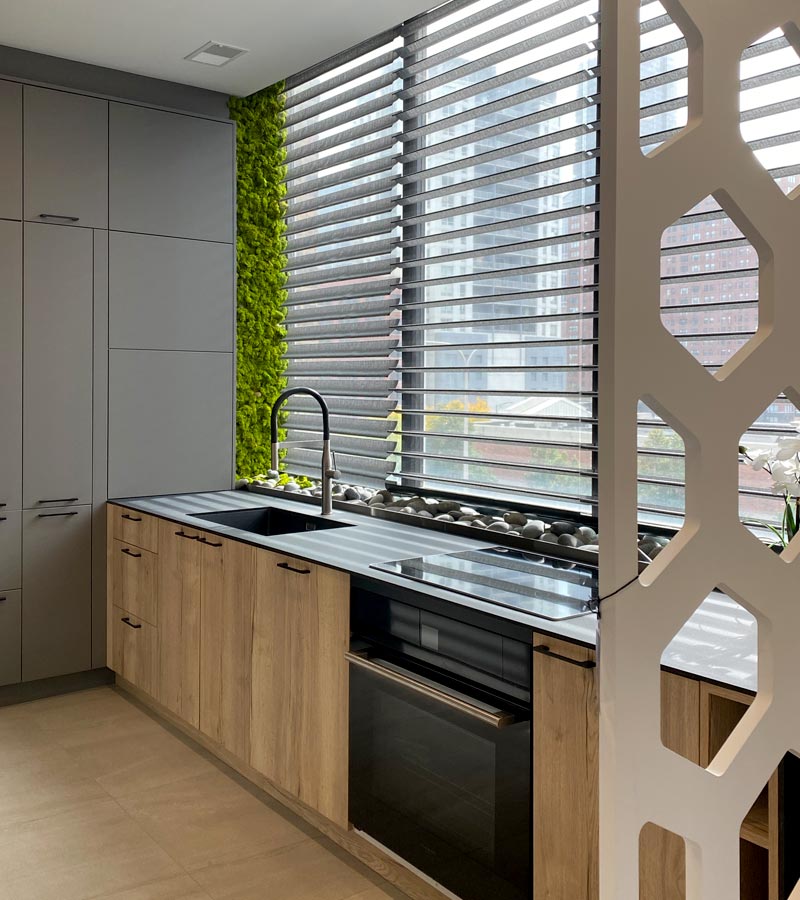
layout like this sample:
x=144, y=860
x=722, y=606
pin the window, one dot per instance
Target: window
x=442, y=226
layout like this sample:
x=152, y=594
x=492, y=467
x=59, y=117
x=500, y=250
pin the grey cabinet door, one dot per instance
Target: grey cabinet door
x=170, y=174
x=170, y=422
x=57, y=365
x=10, y=365
x=66, y=158
x=10, y=637
x=57, y=581
x=10, y=550
x=170, y=293
x=10, y=150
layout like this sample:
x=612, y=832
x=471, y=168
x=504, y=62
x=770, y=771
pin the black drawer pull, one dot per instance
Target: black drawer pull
x=292, y=569
x=131, y=553
x=3, y=518
x=130, y=624
x=60, y=500
x=3, y=599
x=581, y=664
x=209, y=543
x=3, y=504
x=131, y=518
x=191, y=537
x=56, y=216
x=54, y=515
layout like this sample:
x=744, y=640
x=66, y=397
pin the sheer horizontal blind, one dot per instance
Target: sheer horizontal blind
x=499, y=216
x=342, y=189
x=709, y=269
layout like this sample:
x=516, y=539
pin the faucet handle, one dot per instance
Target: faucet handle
x=333, y=472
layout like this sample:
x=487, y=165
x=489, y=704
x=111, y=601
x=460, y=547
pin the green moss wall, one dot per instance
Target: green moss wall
x=261, y=247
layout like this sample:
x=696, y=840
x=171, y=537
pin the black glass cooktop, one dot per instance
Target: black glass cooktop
x=528, y=582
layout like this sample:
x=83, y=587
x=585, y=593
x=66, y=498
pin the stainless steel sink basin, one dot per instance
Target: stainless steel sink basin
x=271, y=520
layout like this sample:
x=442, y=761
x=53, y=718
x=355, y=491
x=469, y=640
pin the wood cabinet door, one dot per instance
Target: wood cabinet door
x=135, y=580
x=135, y=655
x=10, y=150
x=10, y=363
x=66, y=158
x=57, y=363
x=299, y=704
x=226, y=642
x=179, y=580
x=57, y=602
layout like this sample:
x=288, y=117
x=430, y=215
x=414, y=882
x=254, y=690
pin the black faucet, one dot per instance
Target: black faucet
x=328, y=460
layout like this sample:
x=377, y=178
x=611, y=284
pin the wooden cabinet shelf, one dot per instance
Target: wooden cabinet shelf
x=755, y=828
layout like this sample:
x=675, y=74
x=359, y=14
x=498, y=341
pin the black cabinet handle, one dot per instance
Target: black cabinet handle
x=60, y=500
x=3, y=518
x=581, y=664
x=131, y=518
x=292, y=569
x=131, y=553
x=130, y=624
x=209, y=543
x=56, y=216
x=3, y=599
x=54, y=515
x=191, y=537
x=3, y=504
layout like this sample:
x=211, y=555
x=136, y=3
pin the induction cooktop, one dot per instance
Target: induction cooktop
x=539, y=585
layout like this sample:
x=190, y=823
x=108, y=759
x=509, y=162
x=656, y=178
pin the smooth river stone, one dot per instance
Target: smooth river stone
x=533, y=530
x=568, y=540
x=499, y=526
x=549, y=538
x=559, y=528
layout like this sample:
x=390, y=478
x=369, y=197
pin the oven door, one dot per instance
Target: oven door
x=442, y=779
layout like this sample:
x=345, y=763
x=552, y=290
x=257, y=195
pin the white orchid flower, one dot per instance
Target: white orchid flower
x=760, y=459
x=787, y=448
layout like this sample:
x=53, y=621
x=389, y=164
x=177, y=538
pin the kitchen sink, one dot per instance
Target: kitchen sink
x=271, y=520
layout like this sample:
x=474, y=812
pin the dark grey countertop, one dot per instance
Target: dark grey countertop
x=718, y=643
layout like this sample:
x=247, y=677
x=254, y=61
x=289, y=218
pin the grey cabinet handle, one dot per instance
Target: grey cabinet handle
x=289, y=568
x=581, y=664
x=62, y=218
x=130, y=624
x=131, y=518
x=60, y=500
x=54, y=515
x=209, y=543
x=131, y=553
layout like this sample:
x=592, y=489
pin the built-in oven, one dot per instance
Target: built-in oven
x=440, y=745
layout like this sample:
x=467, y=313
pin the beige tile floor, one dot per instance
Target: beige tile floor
x=98, y=799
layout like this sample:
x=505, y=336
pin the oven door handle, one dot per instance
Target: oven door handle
x=496, y=718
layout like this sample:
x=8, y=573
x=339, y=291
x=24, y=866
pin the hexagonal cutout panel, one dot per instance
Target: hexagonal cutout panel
x=769, y=475
x=720, y=620
x=661, y=471
x=770, y=104
x=663, y=77
x=709, y=284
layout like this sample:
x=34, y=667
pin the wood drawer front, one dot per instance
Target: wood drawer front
x=134, y=528
x=135, y=580
x=135, y=650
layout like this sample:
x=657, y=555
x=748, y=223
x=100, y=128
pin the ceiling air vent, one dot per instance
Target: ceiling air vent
x=215, y=54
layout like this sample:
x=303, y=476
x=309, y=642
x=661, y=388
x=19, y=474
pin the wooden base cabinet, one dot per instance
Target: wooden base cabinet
x=299, y=726
x=227, y=603
x=135, y=645
x=179, y=581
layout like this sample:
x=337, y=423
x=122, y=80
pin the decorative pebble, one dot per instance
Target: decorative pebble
x=444, y=517
x=351, y=494
x=290, y=487
x=515, y=518
x=468, y=511
x=424, y=514
x=586, y=534
x=476, y=523
x=549, y=537
x=533, y=530
x=567, y=540
x=559, y=528
x=499, y=526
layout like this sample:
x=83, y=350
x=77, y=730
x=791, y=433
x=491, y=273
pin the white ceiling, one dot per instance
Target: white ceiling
x=151, y=37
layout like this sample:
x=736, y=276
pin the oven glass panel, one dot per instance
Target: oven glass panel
x=446, y=792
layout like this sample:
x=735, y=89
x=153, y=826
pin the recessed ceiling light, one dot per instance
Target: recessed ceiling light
x=215, y=54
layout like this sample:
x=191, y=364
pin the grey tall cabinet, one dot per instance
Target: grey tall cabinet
x=116, y=346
